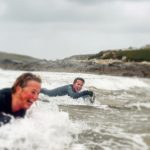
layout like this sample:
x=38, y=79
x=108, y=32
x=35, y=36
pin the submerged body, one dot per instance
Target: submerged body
x=65, y=90
x=72, y=90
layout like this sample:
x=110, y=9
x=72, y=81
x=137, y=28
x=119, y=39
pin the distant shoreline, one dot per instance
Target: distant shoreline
x=107, y=67
x=130, y=62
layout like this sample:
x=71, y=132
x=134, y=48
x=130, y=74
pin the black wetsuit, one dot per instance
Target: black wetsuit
x=5, y=107
x=65, y=90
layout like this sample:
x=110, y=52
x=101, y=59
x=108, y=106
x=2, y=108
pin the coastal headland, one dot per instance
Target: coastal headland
x=126, y=62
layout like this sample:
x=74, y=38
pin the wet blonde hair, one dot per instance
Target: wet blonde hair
x=23, y=79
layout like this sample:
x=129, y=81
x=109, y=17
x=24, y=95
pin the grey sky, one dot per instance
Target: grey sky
x=54, y=29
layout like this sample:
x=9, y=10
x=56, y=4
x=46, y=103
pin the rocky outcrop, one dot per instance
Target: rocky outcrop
x=121, y=69
x=76, y=64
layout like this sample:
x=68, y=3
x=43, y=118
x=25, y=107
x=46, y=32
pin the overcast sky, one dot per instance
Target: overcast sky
x=55, y=29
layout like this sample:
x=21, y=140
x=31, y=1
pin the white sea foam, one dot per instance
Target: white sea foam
x=43, y=128
x=116, y=83
x=139, y=105
x=52, y=80
x=128, y=139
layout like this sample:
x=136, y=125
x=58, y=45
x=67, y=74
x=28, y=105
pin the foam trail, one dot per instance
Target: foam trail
x=45, y=127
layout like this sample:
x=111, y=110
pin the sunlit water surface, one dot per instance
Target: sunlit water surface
x=118, y=120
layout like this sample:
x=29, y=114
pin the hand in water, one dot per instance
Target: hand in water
x=92, y=98
x=90, y=93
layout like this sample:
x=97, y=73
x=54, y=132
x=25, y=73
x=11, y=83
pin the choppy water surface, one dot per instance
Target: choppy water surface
x=118, y=120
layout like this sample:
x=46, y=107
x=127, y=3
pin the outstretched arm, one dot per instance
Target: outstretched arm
x=60, y=91
x=49, y=92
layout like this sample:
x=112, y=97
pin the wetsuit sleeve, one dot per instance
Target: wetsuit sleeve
x=4, y=119
x=47, y=92
x=76, y=95
x=54, y=92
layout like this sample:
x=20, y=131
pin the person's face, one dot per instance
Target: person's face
x=28, y=94
x=77, y=86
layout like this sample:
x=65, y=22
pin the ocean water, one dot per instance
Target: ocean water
x=118, y=120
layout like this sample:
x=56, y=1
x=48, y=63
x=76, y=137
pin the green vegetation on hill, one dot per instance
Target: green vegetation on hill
x=79, y=57
x=135, y=55
x=16, y=57
x=142, y=54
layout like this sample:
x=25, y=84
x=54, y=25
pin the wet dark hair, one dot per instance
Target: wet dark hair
x=78, y=78
x=23, y=79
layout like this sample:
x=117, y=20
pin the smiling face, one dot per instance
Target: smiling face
x=27, y=95
x=77, y=86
